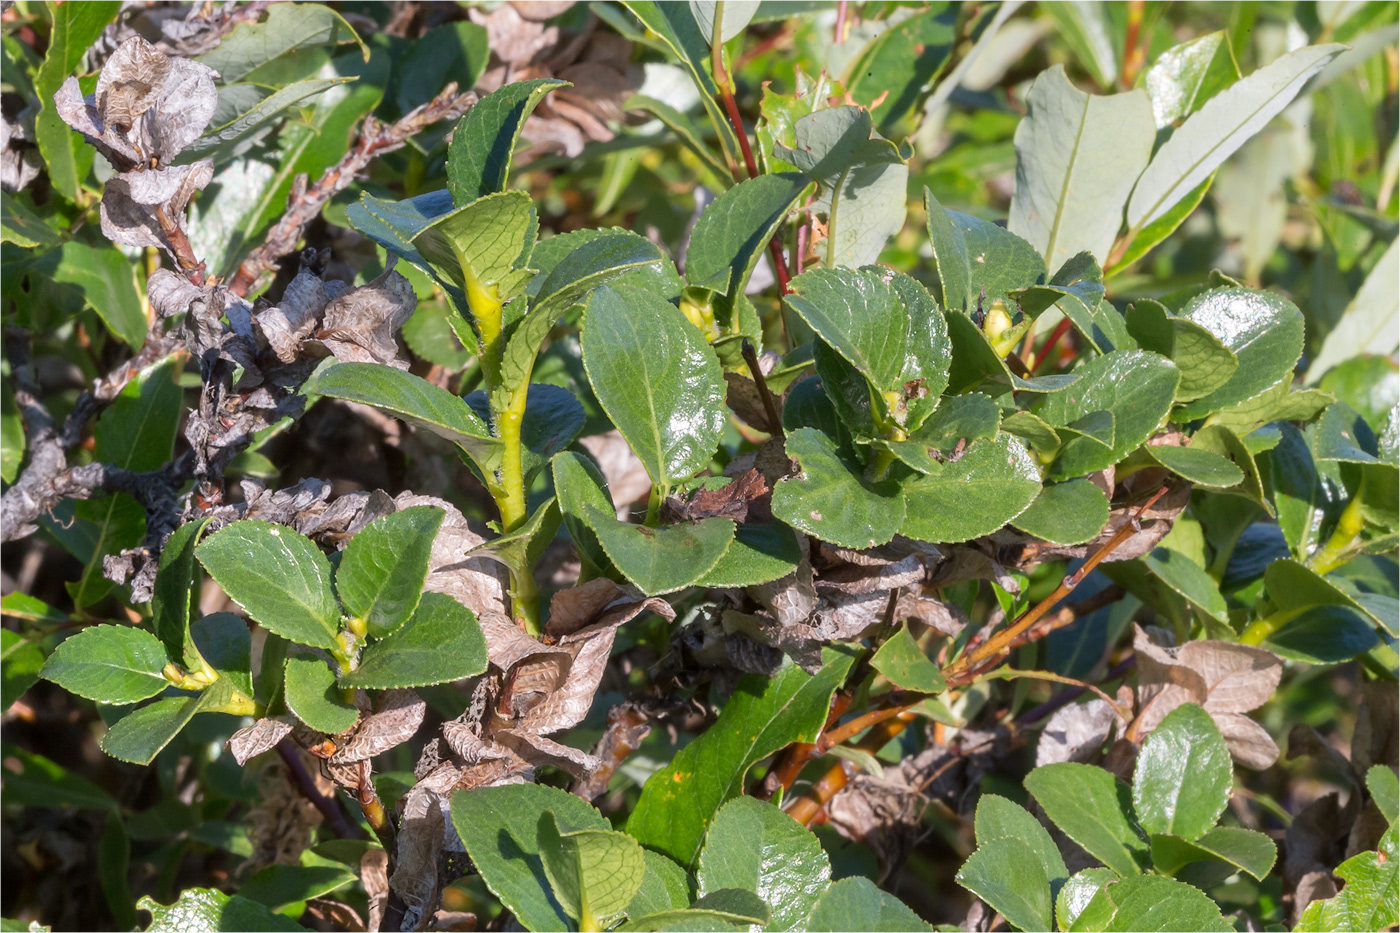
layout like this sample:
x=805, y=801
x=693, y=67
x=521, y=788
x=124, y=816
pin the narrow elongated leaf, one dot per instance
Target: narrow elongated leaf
x=280, y=885
x=278, y=576
x=1070, y=188
x=1183, y=776
x=1093, y=808
x=856, y=904
x=763, y=715
x=756, y=847
x=174, y=590
x=109, y=663
x=594, y=872
x=656, y=378
x=1200, y=466
x=665, y=559
x=441, y=643
x=74, y=30
x=1262, y=329
x=35, y=781
x=382, y=570
x=896, y=70
x=224, y=142
x=830, y=498
x=20, y=661
x=1186, y=577
x=500, y=828
x=478, y=161
x=413, y=399
x=1213, y=133
x=1087, y=29
x=288, y=27
x=1369, y=323
x=984, y=489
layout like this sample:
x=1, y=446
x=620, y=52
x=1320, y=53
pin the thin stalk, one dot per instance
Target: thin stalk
x=770, y=407
x=654, y=501
x=1349, y=527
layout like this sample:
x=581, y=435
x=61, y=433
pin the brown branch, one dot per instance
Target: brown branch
x=305, y=202
x=806, y=808
x=307, y=786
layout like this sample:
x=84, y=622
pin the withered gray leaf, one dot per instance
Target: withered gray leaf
x=415, y=877
x=130, y=81
x=538, y=750
x=294, y=318
x=1075, y=733
x=253, y=740
x=398, y=717
x=131, y=202
x=359, y=326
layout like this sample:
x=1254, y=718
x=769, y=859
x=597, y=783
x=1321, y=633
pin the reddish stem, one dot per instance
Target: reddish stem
x=1060, y=330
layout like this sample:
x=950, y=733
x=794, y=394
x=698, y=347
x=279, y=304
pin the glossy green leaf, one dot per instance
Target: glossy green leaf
x=664, y=559
x=1075, y=905
x=1263, y=330
x=664, y=887
x=758, y=554
x=831, y=499
x=1154, y=903
x=972, y=254
x=109, y=664
x=73, y=30
x=12, y=437
x=1186, y=577
x=1197, y=465
x=1224, y=442
x=20, y=661
x=904, y=664
x=731, y=909
x=1368, y=901
x=1016, y=887
x=862, y=178
x=856, y=904
x=211, y=909
x=312, y=694
x=578, y=484
x=1070, y=188
x=173, y=594
x=279, y=577
x=1183, y=776
x=763, y=715
x=594, y=873
x=1093, y=808
x=1209, y=136
x=383, y=568
x=500, y=828
x=1323, y=635
x=1230, y=847
x=899, y=66
x=105, y=278
x=757, y=847
x=656, y=378
x=991, y=484
x=1185, y=76
x=1205, y=362
x=287, y=28
x=731, y=235
x=1135, y=385
x=139, y=736
x=999, y=818
x=622, y=247
x=411, y=398
x=478, y=161
x=1065, y=513
x=281, y=885
x=488, y=239
x=441, y=643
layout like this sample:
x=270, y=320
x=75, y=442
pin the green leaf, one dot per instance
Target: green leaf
x=1186, y=577
x=665, y=559
x=594, y=872
x=1223, y=442
x=1368, y=902
x=288, y=27
x=12, y=437
x=105, y=278
x=899, y=66
x=35, y=781
x=278, y=886
x=664, y=887
x=1262, y=329
x=226, y=142
x=22, y=227
x=75, y=27
x=1143, y=241
x=311, y=692
x=1088, y=30
x=210, y=909
x=1323, y=635
x=139, y=736
x=1197, y=465
x=1385, y=791
x=958, y=419
x=113, y=864
x=1065, y=513
x=856, y=904
x=223, y=640
x=1071, y=188
x=657, y=273
x=1230, y=848
x=578, y=484
x=689, y=134
x=731, y=235
x=109, y=664
x=488, y=238
x=1209, y=136
x=394, y=224
x=972, y=254
x=1203, y=359
x=20, y=661
x=1185, y=76
x=441, y=643
x=657, y=379
x=523, y=548
x=754, y=846
x=1076, y=290
x=478, y=160
x=279, y=577
x=758, y=554
x=830, y=498
x=383, y=568
x=991, y=484
x=733, y=17
x=456, y=52
x=1183, y=776
x=1154, y=903
x=1135, y=385
x=862, y=177
x=1368, y=325
x=1075, y=905
x=1014, y=886
x=999, y=818
x=174, y=589
x=411, y=398
x=1093, y=808
x=763, y=715
x=905, y=665
x=731, y=909
x=500, y=828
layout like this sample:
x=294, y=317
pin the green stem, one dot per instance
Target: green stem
x=1349, y=526
x=1261, y=629
x=658, y=496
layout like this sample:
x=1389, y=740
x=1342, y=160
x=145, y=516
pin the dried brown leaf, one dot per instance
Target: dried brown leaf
x=259, y=737
x=359, y=326
x=399, y=714
x=1076, y=733
x=415, y=877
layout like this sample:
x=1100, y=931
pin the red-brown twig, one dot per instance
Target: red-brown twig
x=307, y=785
x=305, y=202
x=1048, y=347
